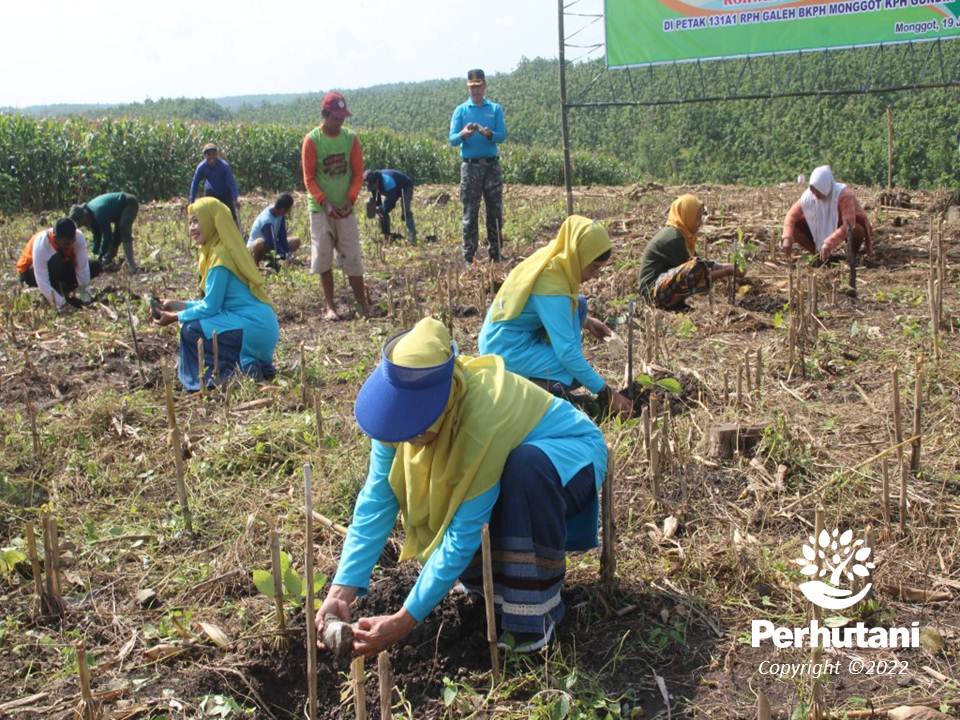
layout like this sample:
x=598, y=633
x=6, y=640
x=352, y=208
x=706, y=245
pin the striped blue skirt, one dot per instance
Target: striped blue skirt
x=528, y=534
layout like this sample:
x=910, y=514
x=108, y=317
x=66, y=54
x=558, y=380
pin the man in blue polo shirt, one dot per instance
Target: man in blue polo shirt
x=477, y=127
x=218, y=180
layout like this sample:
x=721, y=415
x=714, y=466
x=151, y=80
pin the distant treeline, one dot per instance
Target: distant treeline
x=49, y=164
x=405, y=125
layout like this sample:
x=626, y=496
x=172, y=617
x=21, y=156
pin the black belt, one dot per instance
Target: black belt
x=484, y=160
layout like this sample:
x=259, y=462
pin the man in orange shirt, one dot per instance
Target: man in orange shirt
x=333, y=174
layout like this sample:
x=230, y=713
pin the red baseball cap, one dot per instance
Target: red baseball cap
x=334, y=103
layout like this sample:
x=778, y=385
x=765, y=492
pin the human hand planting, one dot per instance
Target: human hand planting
x=597, y=328
x=375, y=634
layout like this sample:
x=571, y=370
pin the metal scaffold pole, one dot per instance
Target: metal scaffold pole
x=564, y=110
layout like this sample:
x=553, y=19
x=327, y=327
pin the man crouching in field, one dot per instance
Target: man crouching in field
x=55, y=262
x=333, y=174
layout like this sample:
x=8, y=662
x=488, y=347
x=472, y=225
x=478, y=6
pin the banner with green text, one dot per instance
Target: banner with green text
x=646, y=32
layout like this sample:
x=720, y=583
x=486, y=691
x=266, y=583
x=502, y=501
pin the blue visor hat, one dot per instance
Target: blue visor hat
x=398, y=403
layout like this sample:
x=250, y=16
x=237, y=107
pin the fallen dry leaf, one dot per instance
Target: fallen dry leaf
x=931, y=640
x=905, y=593
x=162, y=651
x=670, y=525
x=217, y=636
x=913, y=712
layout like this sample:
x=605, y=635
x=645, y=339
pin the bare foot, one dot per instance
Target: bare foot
x=331, y=314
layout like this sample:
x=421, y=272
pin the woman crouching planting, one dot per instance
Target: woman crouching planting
x=458, y=442
x=235, y=305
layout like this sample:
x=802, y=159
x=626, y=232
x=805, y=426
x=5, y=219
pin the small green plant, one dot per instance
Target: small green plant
x=671, y=385
x=222, y=706
x=294, y=586
x=686, y=328
x=10, y=557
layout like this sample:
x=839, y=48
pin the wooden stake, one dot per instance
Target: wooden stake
x=30, y=532
x=758, y=383
x=385, y=677
x=904, y=476
x=136, y=342
x=310, y=612
x=747, y=375
x=277, y=585
x=869, y=541
x=726, y=387
x=763, y=707
x=201, y=365
x=89, y=709
x=885, y=491
x=608, y=551
x=897, y=425
x=739, y=385
x=917, y=406
x=648, y=338
x=889, y=149
x=304, y=402
x=486, y=556
x=655, y=466
x=359, y=688
x=318, y=417
x=51, y=551
x=629, y=389
x=659, y=351
x=645, y=423
x=177, y=453
x=216, y=358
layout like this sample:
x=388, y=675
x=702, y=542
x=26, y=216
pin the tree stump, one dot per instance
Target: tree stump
x=727, y=439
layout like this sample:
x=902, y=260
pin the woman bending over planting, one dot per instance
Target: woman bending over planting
x=825, y=214
x=536, y=319
x=458, y=442
x=670, y=270
x=235, y=305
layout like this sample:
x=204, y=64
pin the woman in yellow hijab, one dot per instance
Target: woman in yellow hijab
x=670, y=270
x=458, y=442
x=235, y=306
x=536, y=319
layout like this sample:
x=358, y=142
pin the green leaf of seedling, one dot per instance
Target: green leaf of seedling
x=450, y=692
x=292, y=584
x=644, y=380
x=264, y=582
x=560, y=708
x=9, y=559
x=285, y=562
x=670, y=385
x=319, y=580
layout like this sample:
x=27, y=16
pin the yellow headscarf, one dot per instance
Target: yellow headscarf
x=489, y=412
x=224, y=246
x=553, y=269
x=684, y=212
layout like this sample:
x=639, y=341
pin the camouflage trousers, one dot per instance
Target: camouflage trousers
x=481, y=181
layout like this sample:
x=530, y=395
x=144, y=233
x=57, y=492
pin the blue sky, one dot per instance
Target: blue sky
x=102, y=51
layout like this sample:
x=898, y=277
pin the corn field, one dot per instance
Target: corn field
x=48, y=164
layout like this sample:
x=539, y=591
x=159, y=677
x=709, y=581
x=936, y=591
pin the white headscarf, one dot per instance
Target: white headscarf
x=822, y=216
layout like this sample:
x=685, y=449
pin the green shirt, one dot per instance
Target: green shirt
x=106, y=209
x=333, y=173
x=665, y=251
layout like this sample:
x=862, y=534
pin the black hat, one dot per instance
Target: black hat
x=476, y=77
x=65, y=228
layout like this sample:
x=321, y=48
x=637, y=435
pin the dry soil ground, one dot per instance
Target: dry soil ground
x=671, y=640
